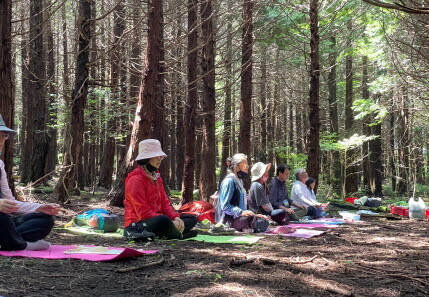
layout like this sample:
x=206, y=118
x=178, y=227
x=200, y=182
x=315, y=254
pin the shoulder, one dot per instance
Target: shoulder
x=228, y=181
x=1, y=164
x=256, y=186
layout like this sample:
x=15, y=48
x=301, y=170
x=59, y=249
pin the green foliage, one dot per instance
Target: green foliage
x=366, y=107
x=291, y=157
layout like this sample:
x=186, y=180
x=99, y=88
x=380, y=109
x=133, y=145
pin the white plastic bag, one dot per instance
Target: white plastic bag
x=417, y=208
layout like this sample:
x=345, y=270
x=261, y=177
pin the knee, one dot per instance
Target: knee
x=163, y=220
x=4, y=219
x=48, y=220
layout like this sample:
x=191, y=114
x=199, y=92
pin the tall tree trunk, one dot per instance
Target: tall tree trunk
x=333, y=112
x=26, y=114
x=393, y=161
x=115, y=71
x=244, y=144
x=351, y=170
x=376, y=161
x=263, y=113
x=208, y=154
x=366, y=130
x=37, y=69
x=79, y=95
x=291, y=125
x=6, y=87
x=227, y=124
x=404, y=141
x=51, y=115
x=149, y=113
x=189, y=167
x=313, y=163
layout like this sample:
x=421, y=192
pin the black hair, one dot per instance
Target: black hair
x=309, y=181
x=281, y=168
x=143, y=162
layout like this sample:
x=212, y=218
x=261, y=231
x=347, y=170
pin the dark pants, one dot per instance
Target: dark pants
x=163, y=227
x=279, y=216
x=314, y=212
x=16, y=231
x=242, y=222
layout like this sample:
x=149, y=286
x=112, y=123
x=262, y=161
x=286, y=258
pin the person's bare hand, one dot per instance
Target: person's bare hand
x=247, y=213
x=180, y=225
x=303, y=206
x=50, y=209
x=289, y=210
x=8, y=206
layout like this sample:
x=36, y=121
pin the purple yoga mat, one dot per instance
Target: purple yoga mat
x=57, y=252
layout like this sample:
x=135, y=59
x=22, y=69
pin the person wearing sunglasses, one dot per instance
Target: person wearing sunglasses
x=23, y=225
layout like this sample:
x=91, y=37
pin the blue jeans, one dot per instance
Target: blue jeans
x=16, y=231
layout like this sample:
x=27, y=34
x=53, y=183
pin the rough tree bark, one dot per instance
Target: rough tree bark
x=227, y=125
x=6, y=87
x=51, y=110
x=37, y=68
x=208, y=154
x=244, y=144
x=313, y=163
x=333, y=112
x=190, y=121
x=351, y=175
x=79, y=95
x=149, y=113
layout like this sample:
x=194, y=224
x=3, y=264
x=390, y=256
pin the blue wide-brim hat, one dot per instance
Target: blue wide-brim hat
x=4, y=128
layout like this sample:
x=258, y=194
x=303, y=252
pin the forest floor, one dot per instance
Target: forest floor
x=376, y=258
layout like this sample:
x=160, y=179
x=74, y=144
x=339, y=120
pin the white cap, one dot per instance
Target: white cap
x=150, y=148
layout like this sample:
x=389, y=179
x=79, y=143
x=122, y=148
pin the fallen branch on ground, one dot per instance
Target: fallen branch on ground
x=303, y=262
x=134, y=268
x=235, y=262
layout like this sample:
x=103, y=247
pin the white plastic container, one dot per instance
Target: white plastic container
x=349, y=216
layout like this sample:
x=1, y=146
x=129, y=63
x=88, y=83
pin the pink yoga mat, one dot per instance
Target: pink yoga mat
x=57, y=252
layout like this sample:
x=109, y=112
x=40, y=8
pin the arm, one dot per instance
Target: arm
x=136, y=195
x=261, y=198
x=226, y=193
x=23, y=207
x=167, y=209
x=274, y=193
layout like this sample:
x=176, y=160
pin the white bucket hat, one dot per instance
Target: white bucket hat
x=258, y=170
x=150, y=148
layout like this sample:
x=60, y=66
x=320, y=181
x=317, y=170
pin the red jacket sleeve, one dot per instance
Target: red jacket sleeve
x=138, y=199
x=167, y=209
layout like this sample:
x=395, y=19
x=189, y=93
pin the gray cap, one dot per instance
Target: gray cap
x=4, y=128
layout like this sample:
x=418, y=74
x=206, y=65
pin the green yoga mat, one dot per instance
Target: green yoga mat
x=87, y=231
x=247, y=239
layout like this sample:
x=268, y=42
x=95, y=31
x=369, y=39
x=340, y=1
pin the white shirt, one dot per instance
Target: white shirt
x=24, y=207
x=301, y=195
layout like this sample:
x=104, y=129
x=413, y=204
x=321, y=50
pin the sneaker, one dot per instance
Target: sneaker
x=132, y=233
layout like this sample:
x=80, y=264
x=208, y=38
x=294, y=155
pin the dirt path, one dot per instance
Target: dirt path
x=377, y=258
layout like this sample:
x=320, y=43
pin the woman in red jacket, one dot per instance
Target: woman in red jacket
x=147, y=207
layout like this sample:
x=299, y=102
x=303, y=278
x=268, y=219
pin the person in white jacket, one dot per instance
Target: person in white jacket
x=23, y=225
x=302, y=196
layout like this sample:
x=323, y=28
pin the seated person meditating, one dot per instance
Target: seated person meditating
x=279, y=197
x=147, y=207
x=301, y=196
x=23, y=225
x=232, y=205
x=259, y=201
